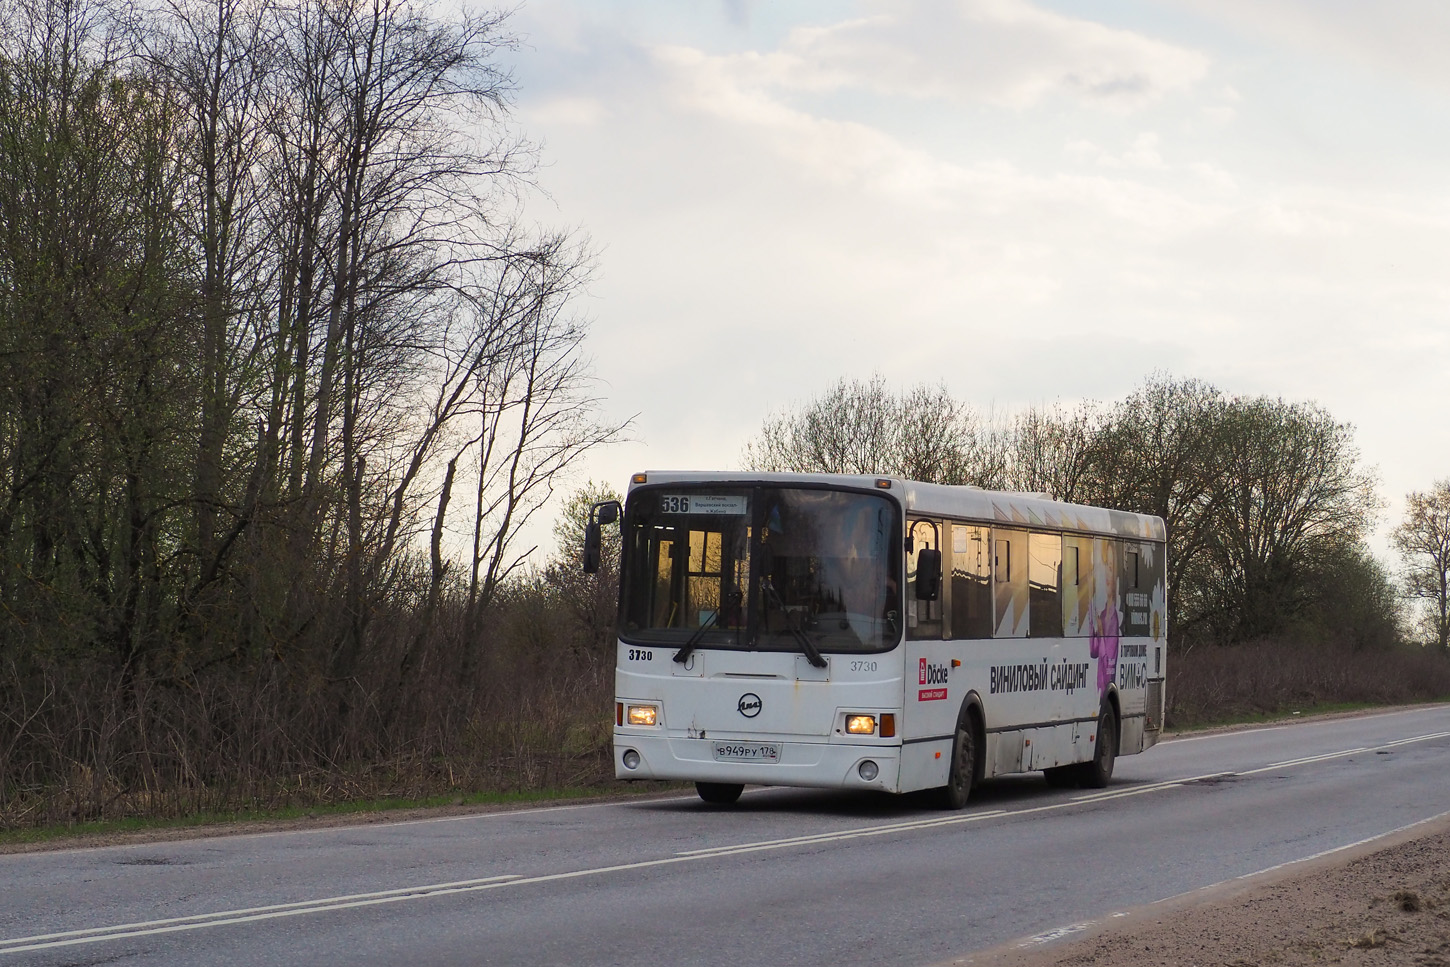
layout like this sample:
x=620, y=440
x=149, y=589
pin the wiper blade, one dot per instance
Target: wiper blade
x=693, y=642
x=813, y=654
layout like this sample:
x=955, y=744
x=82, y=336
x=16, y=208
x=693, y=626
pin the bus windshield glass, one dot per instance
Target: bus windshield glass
x=771, y=568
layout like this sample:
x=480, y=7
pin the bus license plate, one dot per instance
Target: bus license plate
x=746, y=751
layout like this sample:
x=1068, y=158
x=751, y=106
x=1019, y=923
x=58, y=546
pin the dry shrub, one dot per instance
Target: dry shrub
x=1208, y=684
x=501, y=704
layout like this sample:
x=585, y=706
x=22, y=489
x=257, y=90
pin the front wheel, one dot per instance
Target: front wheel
x=958, y=789
x=1099, y=772
x=719, y=793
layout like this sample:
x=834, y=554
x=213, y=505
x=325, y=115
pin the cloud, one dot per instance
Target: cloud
x=1408, y=37
x=836, y=155
x=569, y=110
x=759, y=211
x=1002, y=52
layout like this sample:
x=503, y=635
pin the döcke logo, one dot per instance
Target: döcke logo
x=930, y=673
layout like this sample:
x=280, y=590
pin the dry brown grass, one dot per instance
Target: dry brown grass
x=82, y=741
x=1209, y=685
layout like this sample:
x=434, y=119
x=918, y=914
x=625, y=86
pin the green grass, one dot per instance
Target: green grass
x=111, y=827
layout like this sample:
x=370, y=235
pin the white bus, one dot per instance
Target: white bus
x=874, y=633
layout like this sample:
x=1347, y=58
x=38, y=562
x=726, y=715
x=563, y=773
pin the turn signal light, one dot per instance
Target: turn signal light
x=861, y=724
x=888, y=726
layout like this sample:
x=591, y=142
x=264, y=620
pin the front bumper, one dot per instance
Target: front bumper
x=827, y=765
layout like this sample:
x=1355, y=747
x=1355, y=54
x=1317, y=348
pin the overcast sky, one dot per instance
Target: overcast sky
x=1006, y=196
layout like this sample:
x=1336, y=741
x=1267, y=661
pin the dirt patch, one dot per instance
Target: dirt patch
x=1383, y=903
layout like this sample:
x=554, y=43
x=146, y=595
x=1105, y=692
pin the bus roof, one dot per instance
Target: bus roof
x=964, y=503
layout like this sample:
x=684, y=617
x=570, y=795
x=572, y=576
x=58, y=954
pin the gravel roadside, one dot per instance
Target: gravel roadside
x=1386, y=902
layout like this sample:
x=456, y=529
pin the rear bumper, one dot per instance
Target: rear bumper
x=828, y=765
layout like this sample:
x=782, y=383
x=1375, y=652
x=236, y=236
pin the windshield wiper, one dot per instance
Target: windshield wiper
x=683, y=655
x=813, y=654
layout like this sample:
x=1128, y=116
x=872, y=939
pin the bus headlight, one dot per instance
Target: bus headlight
x=861, y=724
x=630, y=759
x=641, y=715
x=868, y=770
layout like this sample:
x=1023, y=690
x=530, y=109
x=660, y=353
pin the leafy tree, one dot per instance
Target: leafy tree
x=1289, y=486
x=1264, y=500
x=96, y=309
x=1423, y=537
x=1156, y=452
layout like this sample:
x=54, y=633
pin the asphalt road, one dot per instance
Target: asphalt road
x=783, y=877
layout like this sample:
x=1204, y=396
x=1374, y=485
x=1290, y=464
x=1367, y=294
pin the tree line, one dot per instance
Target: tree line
x=1266, y=501
x=283, y=376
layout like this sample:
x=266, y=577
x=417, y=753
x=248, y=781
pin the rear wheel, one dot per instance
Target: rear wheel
x=958, y=789
x=719, y=793
x=1099, y=772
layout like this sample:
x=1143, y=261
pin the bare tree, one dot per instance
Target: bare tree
x=1423, y=537
x=1052, y=451
x=533, y=397
x=590, y=600
x=860, y=427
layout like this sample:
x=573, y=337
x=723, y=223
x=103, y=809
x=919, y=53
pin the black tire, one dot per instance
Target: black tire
x=958, y=790
x=1099, y=772
x=719, y=793
x=1061, y=777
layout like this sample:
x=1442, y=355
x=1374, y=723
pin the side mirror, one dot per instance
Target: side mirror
x=591, y=547
x=928, y=574
x=605, y=512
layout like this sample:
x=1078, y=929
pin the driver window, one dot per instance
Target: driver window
x=923, y=618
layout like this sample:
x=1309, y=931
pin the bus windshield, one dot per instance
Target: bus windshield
x=772, y=568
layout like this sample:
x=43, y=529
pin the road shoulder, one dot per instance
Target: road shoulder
x=1386, y=901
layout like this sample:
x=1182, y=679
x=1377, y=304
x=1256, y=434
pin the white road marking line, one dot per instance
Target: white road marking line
x=1150, y=787
x=1340, y=849
x=352, y=901
x=845, y=834
x=272, y=911
x=1058, y=933
x=1418, y=738
x=1182, y=739
x=1305, y=760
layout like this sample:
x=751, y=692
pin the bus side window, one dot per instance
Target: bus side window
x=923, y=618
x=971, y=573
x=1044, y=576
x=1009, y=583
x=1133, y=592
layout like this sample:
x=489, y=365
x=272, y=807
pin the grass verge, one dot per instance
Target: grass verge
x=137, y=828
